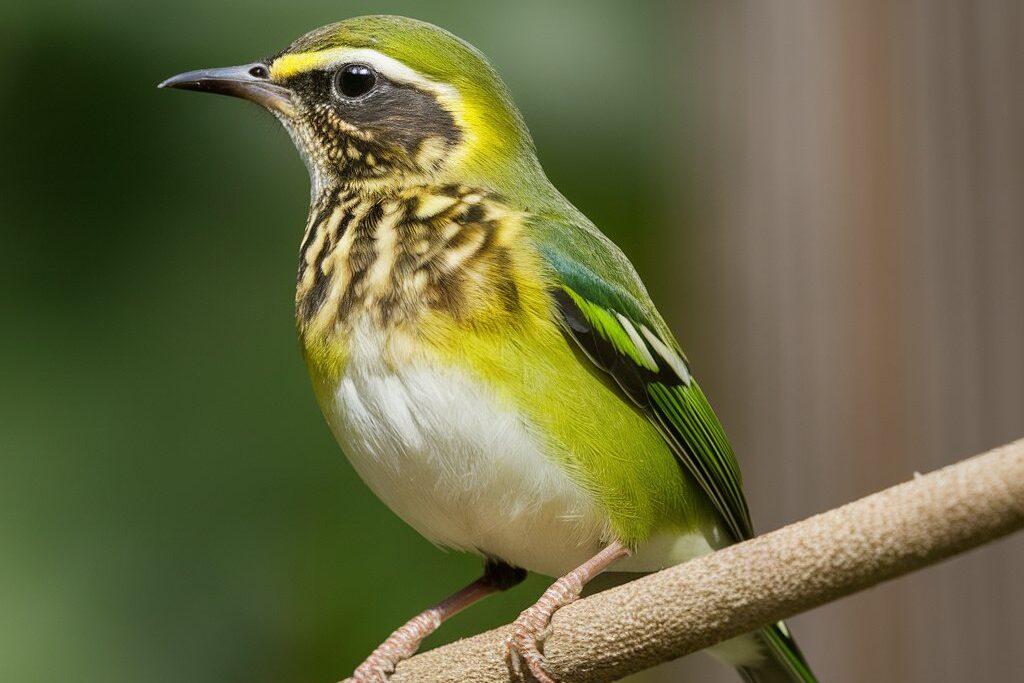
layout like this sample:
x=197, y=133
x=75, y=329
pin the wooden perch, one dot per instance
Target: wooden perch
x=686, y=608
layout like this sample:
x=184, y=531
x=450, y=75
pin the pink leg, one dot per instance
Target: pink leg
x=404, y=642
x=528, y=630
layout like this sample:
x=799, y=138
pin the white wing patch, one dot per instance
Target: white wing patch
x=638, y=342
x=668, y=355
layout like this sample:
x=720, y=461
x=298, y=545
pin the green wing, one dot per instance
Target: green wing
x=614, y=323
x=654, y=375
x=604, y=307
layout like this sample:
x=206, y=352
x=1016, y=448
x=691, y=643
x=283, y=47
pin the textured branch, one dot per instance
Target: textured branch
x=686, y=608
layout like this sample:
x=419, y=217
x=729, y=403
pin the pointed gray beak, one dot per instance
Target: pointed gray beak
x=249, y=81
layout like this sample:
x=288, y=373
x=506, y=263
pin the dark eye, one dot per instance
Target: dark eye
x=355, y=80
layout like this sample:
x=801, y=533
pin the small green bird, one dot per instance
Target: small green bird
x=490, y=363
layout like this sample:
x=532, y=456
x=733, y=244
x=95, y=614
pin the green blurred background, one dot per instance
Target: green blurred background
x=172, y=507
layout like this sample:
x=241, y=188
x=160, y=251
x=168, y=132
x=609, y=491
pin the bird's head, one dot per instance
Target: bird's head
x=381, y=100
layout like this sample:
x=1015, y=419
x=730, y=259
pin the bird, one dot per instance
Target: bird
x=490, y=363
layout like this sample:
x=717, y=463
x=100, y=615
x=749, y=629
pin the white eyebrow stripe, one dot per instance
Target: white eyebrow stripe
x=390, y=67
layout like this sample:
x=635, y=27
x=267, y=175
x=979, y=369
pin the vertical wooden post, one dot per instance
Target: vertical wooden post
x=856, y=278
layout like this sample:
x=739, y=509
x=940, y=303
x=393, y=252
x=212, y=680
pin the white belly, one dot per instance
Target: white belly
x=466, y=471
x=459, y=466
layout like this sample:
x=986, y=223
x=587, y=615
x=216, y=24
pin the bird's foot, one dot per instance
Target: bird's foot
x=532, y=627
x=400, y=645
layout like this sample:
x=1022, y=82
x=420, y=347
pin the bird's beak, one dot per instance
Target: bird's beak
x=249, y=81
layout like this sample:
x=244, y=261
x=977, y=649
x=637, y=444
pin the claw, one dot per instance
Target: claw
x=533, y=626
x=524, y=646
x=512, y=659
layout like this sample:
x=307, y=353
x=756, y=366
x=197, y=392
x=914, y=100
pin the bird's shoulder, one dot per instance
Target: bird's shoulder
x=583, y=260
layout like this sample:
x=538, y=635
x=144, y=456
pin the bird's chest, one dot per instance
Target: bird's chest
x=392, y=258
x=456, y=462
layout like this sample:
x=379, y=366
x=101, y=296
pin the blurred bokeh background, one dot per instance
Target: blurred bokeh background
x=825, y=198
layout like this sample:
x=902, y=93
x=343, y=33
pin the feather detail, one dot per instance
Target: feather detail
x=666, y=392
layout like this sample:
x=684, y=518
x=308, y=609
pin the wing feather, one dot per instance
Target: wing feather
x=604, y=307
x=656, y=378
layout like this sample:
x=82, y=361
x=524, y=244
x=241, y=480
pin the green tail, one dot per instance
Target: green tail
x=785, y=663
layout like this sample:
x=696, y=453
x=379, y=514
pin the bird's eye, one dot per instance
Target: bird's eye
x=355, y=80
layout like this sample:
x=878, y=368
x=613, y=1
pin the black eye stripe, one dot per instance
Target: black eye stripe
x=397, y=116
x=355, y=80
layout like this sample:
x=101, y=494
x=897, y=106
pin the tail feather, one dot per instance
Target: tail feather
x=785, y=663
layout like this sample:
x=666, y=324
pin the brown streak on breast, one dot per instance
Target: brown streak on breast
x=394, y=258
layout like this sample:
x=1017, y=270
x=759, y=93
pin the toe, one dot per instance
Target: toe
x=539, y=671
x=524, y=646
x=512, y=659
x=369, y=672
